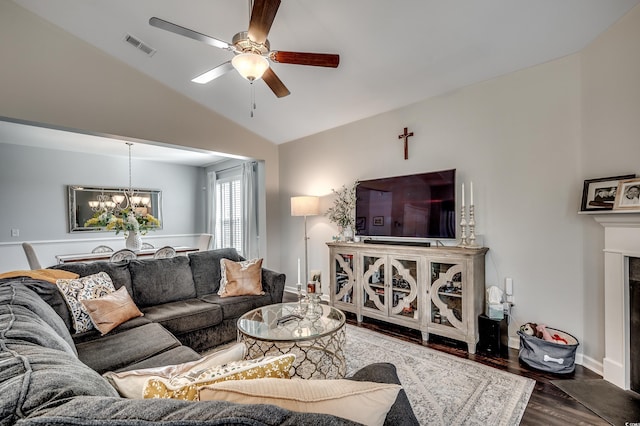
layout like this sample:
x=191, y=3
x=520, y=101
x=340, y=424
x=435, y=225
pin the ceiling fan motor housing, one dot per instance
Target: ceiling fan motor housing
x=243, y=44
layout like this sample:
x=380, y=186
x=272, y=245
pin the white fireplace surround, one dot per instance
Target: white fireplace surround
x=621, y=241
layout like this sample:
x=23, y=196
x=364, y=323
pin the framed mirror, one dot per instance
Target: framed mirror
x=84, y=202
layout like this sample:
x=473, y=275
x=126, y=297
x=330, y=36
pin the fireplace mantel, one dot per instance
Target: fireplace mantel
x=621, y=241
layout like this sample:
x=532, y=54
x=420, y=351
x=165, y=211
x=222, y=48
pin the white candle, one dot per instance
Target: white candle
x=298, y=270
x=471, y=201
x=463, y=194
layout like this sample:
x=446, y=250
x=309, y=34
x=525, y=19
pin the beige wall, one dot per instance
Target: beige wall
x=528, y=140
x=516, y=137
x=51, y=77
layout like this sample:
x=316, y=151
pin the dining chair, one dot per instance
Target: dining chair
x=32, y=258
x=122, y=254
x=164, y=252
x=146, y=246
x=204, y=242
x=102, y=249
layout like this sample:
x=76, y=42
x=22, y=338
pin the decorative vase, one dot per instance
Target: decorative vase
x=133, y=241
x=347, y=233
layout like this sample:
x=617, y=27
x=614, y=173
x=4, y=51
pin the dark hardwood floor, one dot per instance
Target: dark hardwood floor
x=548, y=405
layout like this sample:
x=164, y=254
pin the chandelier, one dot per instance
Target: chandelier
x=116, y=203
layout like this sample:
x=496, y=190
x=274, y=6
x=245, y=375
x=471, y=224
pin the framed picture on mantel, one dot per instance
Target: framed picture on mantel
x=600, y=194
x=628, y=195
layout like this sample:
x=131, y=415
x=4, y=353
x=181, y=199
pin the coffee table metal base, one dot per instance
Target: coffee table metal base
x=316, y=358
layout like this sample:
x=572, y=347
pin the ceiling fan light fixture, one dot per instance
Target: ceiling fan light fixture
x=250, y=65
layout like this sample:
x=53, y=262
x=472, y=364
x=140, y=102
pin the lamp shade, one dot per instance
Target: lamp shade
x=250, y=65
x=305, y=206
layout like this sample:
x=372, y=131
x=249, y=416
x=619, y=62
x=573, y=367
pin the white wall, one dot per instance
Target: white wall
x=610, y=77
x=515, y=137
x=33, y=188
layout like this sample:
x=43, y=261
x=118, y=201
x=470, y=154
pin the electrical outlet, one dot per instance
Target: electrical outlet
x=15, y=232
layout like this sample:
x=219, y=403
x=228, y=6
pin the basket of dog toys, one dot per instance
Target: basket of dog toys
x=547, y=349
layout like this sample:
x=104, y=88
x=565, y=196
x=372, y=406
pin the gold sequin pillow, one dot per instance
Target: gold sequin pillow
x=187, y=386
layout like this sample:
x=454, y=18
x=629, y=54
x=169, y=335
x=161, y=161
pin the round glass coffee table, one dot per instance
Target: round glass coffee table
x=316, y=340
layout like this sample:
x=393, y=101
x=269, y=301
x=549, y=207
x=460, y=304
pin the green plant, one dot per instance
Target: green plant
x=124, y=220
x=343, y=211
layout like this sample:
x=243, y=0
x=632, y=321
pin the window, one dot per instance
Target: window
x=229, y=213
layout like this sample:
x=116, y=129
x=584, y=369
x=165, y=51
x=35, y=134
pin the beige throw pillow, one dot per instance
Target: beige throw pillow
x=240, y=278
x=109, y=311
x=130, y=384
x=363, y=402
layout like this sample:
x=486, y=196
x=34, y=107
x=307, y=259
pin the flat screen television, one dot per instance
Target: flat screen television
x=407, y=207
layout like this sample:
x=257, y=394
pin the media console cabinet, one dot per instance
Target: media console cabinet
x=437, y=290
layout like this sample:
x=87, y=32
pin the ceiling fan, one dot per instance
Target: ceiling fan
x=251, y=49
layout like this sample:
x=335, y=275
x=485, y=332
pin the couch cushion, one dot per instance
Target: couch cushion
x=50, y=294
x=98, y=411
x=185, y=315
x=176, y=355
x=234, y=307
x=32, y=377
x=113, y=352
x=76, y=290
x=118, y=271
x=95, y=334
x=401, y=413
x=30, y=319
x=108, y=312
x=158, y=281
x=37, y=365
x=205, y=266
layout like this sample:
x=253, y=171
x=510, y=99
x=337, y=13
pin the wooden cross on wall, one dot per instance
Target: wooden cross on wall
x=406, y=136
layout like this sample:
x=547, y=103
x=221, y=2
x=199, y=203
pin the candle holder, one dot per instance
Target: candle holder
x=472, y=227
x=314, y=310
x=463, y=229
x=301, y=308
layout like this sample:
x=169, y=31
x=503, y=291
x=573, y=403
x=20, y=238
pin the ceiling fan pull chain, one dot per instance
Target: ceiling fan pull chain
x=252, y=100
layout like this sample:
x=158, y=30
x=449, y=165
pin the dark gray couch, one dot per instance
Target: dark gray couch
x=43, y=382
x=178, y=295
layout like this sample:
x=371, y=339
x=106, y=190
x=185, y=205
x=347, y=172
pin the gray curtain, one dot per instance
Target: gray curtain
x=211, y=206
x=250, y=210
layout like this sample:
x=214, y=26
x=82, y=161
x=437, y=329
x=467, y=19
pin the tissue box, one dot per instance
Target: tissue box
x=495, y=311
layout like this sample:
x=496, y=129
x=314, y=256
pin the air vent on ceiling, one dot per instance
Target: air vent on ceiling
x=139, y=44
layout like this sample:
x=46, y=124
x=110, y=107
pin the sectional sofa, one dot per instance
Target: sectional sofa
x=51, y=375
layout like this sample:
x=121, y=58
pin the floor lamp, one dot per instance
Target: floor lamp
x=305, y=206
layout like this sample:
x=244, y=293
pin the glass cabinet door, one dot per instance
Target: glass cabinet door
x=345, y=279
x=446, y=295
x=404, y=288
x=373, y=279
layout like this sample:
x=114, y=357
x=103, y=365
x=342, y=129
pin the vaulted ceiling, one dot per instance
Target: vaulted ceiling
x=392, y=54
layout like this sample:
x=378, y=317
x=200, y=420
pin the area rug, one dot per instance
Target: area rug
x=443, y=389
x=615, y=405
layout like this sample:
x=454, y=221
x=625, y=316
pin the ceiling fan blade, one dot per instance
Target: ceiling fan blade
x=275, y=84
x=177, y=29
x=298, y=58
x=214, y=73
x=262, y=16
